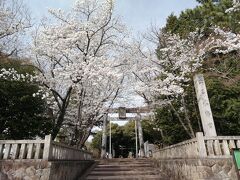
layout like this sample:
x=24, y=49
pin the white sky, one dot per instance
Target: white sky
x=137, y=14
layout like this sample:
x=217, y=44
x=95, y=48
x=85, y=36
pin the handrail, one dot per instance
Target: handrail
x=223, y=138
x=201, y=146
x=41, y=149
x=178, y=144
x=61, y=151
x=21, y=141
x=70, y=147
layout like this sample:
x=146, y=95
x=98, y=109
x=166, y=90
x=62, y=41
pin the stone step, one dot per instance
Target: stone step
x=123, y=165
x=121, y=169
x=128, y=177
x=119, y=173
x=125, y=169
x=123, y=160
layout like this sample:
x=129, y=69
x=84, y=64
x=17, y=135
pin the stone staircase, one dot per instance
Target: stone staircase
x=125, y=169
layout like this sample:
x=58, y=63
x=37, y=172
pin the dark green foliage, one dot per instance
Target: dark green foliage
x=22, y=116
x=97, y=140
x=151, y=132
x=123, y=137
x=224, y=88
x=172, y=131
x=225, y=103
x=208, y=14
x=167, y=120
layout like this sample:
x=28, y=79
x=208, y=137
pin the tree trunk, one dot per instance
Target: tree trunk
x=180, y=120
x=62, y=112
x=187, y=117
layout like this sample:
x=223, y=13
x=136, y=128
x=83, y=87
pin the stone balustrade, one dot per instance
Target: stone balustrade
x=186, y=149
x=220, y=146
x=64, y=152
x=21, y=149
x=200, y=147
x=40, y=149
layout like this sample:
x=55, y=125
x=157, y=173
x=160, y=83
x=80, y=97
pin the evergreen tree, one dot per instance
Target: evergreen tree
x=22, y=116
x=204, y=16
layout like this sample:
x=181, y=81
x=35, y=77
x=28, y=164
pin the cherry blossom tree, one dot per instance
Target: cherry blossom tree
x=162, y=75
x=222, y=43
x=165, y=72
x=235, y=8
x=78, y=56
x=14, y=22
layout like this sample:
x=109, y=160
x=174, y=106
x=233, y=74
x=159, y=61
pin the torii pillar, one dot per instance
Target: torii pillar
x=140, y=135
x=204, y=106
x=104, y=137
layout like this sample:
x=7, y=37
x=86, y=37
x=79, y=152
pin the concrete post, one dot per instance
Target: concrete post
x=104, y=137
x=201, y=145
x=47, y=151
x=204, y=106
x=136, y=139
x=146, y=149
x=110, y=140
x=140, y=134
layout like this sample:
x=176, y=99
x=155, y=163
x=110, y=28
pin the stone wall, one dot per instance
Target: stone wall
x=198, y=169
x=68, y=170
x=42, y=170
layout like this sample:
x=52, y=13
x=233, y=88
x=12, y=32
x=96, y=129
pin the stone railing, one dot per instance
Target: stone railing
x=219, y=146
x=40, y=149
x=201, y=146
x=21, y=149
x=63, y=152
x=186, y=149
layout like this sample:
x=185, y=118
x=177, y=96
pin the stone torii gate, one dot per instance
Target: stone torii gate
x=122, y=111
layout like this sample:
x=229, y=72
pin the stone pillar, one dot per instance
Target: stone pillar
x=47, y=151
x=110, y=140
x=140, y=134
x=146, y=149
x=136, y=139
x=104, y=137
x=201, y=145
x=204, y=106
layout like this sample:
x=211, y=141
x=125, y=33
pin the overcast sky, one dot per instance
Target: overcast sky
x=137, y=14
